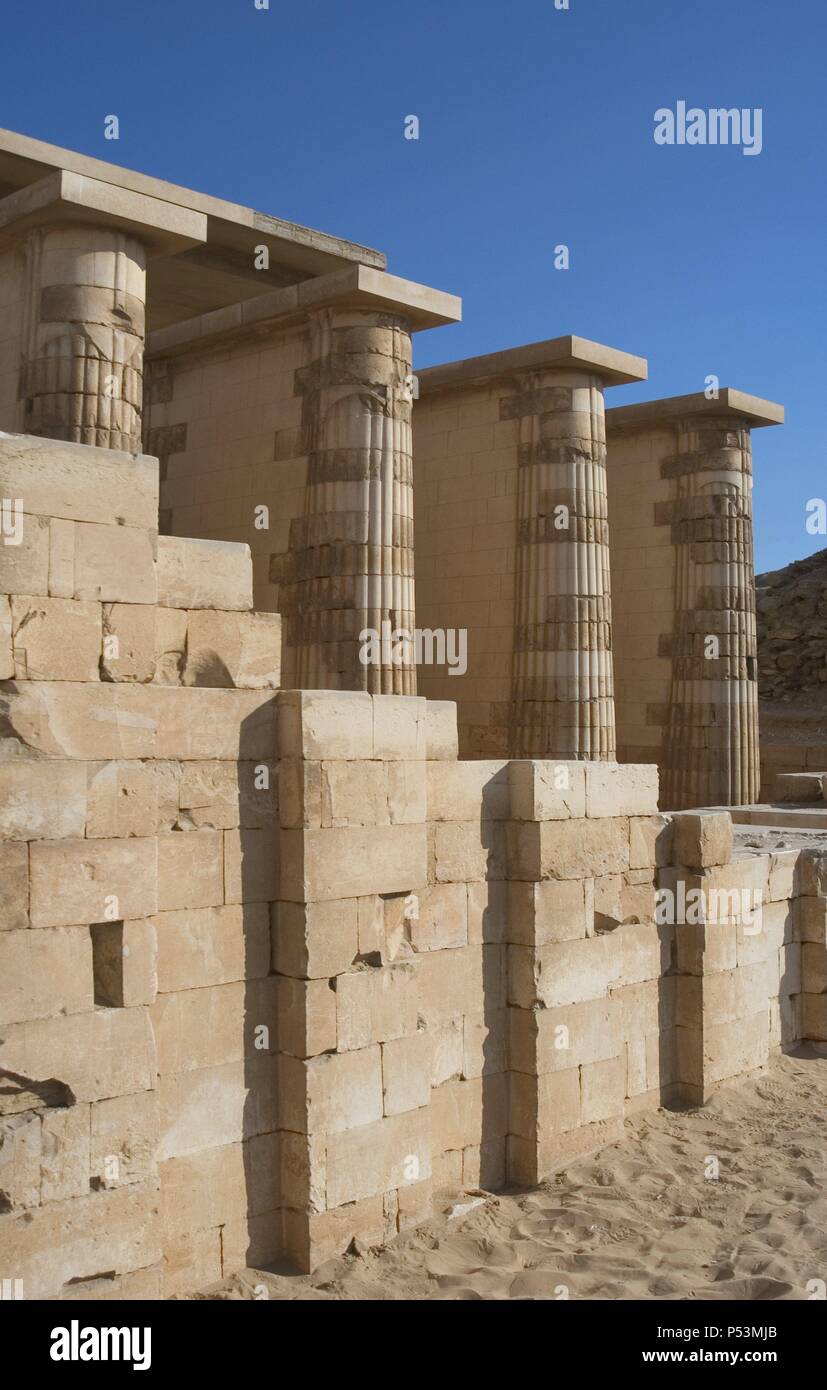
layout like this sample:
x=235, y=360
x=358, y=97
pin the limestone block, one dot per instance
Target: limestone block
x=547, y=1104
x=128, y=652
x=124, y=1137
x=602, y=1090
x=121, y=797
x=443, y=918
x=344, y=1090
x=406, y=1073
x=41, y=800
x=568, y=849
x=461, y=1111
x=65, y=1153
x=114, y=564
x=416, y=1204
x=204, y=574
x=199, y=947
x=203, y=1028
x=376, y=1004
x=212, y=1106
x=777, y=923
x=62, y=719
x=706, y=947
x=547, y=1040
x=14, y=877
x=547, y=790
x=302, y=1170
x=140, y=963
x=318, y=865
x=79, y=482
x=650, y=841
x=814, y=1017
x=106, y=1052
x=325, y=724
x=646, y=951
x=251, y=865
x=314, y=940
x=233, y=649
x=225, y=795
x=83, y=881
x=469, y=850
x=790, y=970
x=621, y=789
x=797, y=786
x=20, y=1160
x=200, y=1191
x=441, y=741
x=813, y=874
x=45, y=974
x=729, y=1051
x=405, y=792
x=55, y=639
x=117, y=1230
x=783, y=875
x=351, y=793
x=608, y=902
x=811, y=920
x=557, y=910
x=24, y=568
x=447, y=1172
x=468, y=791
x=447, y=1040
x=446, y=985
x=170, y=645
x=701, y=841
x=399, y=727
x=193, y=1258
x=201, y=725
x=6, y=655
x=306, y=1016
x=190, y=870
x=567, y=972
x=61, y=558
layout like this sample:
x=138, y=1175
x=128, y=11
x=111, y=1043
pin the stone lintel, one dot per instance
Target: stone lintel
x=356, y=287
x=753, y=411
x=24, y=160
x=63, y=197
x=569, y=353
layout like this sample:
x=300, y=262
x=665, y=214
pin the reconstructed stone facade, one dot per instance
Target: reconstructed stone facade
x=288, y=950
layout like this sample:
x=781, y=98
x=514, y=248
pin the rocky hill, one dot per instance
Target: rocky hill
x=792, y=632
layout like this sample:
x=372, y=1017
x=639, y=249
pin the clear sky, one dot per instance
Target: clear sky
x=536, y=129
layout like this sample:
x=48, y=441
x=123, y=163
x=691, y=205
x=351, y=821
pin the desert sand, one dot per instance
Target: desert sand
x=639, y=1220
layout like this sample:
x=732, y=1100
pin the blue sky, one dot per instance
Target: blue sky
x=536, y=128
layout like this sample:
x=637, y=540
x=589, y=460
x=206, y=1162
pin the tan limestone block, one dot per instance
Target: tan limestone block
x=442, y=920
x=190, y=870
x=556, y=910
x=200, y=1028
x=344, y=1090
x=24, y=566
x=102, y=1053
x=204, y=574
x=375, y=1005
x=114, y=564
x=564, y=849
x=63, y=719
x=200, y=1191
x=314, y=940
x=42, y=800
x=128, y=651
x=124, y=1137
x=468, y=851
x=811, y=920
x=376, y=1158
x=233, y=649
x=65, y=1153
x=602, y=1090
x=306, y=1016
x=406, y=1073
x=211, y=1106
x=447, y=984
x=14, y=878
x=468, y=791
x=55, y=639
x=325, y=724
x=353, y=793
x=79, y=482
x=318, y=865
x=122, y=799
x=646, y=950
x=547, y=790
x=441, y=730
x=170, y=645
x=201, y=725
x=547, y=1104
x=45, y=973
x=20, y=1159
x=198, y=947
x=399, y=727
x=650, y=841
x=566, y=972
x=311, y=1239
x=621, y=789
x=557, y=1039
x=702, y=841
x=84, y=881
x=405, y=792
x=61, y=558
x=485, y=1043
x=6, y=654
x=487, y=912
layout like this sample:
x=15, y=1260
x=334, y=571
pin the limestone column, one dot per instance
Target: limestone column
x=350, y=563
x=82, y=372
x=562, y=685
x=712, y=753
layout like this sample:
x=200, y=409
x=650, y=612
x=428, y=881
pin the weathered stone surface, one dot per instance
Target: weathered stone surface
x=42, y=800
x=198, y=947
x=190, y=870
x=14, y=876
x=128, y=642
x=45, y=974
x=115, y=564
x=24, y=568
x=102, y=1053
x=233, y=649
x=702, y=841
x=547, y=790
x=55, y=639
x=122, y=798
x=83, y=881
x=78, y=482
x=204, y=574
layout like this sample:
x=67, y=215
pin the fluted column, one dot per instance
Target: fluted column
x=712, y=737
x=82, y=373
x=562, y=686
x=350, y=562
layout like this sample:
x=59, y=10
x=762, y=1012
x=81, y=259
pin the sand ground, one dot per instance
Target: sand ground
x=639, y=1220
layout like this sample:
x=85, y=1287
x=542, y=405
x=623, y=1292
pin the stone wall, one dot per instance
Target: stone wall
x=278, y=972
x=791, y=605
